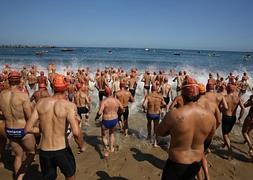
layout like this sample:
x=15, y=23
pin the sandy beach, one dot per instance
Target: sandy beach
x=137, y=159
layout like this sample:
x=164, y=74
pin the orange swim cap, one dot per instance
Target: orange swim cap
x=14, y=77
x=78, y=86
x=190, y=87
x=108, y=91
x=59, y=83
x=202, y=88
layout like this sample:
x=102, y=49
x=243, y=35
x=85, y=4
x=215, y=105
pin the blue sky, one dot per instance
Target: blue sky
x=186, y=24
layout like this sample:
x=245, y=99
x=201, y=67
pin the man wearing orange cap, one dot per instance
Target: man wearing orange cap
x=16, y=108
x=189, y=126
x=229, y=115
x=54, y=114
x=153, y=103
x=42, y=79
x=204, y=102
x=82, y=102
x=124, y=97
x=41, y=93
x=109, y=107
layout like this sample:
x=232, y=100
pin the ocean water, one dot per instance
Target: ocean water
x=154, y=59
x=197, y=63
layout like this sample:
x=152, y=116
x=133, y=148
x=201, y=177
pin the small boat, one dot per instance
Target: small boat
x=66, y=50
x=41, y=53
x=110, y=51
x=213, y=55
x=146, y=49
x=177, y=54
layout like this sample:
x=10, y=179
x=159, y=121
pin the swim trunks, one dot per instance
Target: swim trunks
x=207, y=143
x=178, y=171
x=132, y=91
x=155, y=117
x=82, y=110
x=109, y=124
x=13, y=133
x=101, y=94
x=228, y=123
x=50, y=160
x=125, y=114
x=147, y=87
x=167, y=100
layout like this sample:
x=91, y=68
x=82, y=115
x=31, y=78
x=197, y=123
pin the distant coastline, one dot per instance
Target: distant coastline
x=26, y=46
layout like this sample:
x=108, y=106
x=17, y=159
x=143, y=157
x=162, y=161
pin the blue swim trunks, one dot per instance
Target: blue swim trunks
x=13, y=133
x=153, y=117
x=109, y=123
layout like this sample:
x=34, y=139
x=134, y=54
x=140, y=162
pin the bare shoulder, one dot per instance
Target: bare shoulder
x=4, y=93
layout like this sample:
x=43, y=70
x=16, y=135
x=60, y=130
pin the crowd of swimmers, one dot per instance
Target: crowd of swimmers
x=47, y=120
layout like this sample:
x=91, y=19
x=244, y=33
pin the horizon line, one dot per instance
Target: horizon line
x=119, y=47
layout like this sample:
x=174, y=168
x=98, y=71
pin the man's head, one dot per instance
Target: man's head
x=78, y=86
x=231, y=88
x=165, y=80
x=154, y=88
x=190, y=90
x=108, y=92
x=14, y=78
x=59, y=84
x=42, y=73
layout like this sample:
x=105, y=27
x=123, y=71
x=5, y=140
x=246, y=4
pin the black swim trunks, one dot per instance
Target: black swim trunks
x=207, y=143
x=132, y=91
x=82, y=110
x=50, y=160
x=178, y=171
x=125, y=114
x=228, y=123
x=167, y=100
x=101, y=94
x=147, y=87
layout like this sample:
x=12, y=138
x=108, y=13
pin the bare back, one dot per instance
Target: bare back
x=124, y=97
x=189, y=127
x=16, y=107
x=53, y=118
x=154, y=102
x=233, y=101
x=109, y=108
